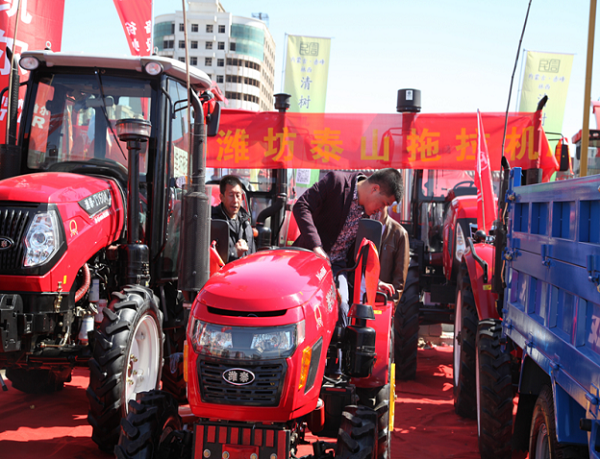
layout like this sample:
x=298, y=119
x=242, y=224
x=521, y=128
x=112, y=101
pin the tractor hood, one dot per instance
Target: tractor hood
x=50, y=187
x=269, y=280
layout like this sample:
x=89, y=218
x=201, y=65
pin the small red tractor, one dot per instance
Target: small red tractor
x=104, y=227
x=261, y=334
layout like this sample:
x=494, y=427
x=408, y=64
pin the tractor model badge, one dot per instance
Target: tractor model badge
x=5, y=243
x=238, y=376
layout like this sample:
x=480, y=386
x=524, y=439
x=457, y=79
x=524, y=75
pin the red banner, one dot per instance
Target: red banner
x=486, y=204
x=136, y=18
x=270, y=140
x=40, y=26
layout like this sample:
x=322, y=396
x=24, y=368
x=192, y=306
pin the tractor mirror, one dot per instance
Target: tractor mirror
x=370, y=229
x=564, y=158
x=213, y=119
x=219, y=232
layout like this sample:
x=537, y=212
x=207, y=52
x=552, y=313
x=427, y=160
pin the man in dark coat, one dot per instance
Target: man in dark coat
x=241, y=238
x=328, y=213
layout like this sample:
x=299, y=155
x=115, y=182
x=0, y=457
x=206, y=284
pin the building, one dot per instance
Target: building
x=237, y=53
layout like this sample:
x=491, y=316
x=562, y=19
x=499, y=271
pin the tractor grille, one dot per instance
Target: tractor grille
x=13, y=222
x=265, y=390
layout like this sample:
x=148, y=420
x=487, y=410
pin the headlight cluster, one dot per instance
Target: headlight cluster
x=43, y=239
x=246, y=343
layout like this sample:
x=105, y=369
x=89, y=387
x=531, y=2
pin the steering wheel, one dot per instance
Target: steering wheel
x=106, y=166
x=464, y=184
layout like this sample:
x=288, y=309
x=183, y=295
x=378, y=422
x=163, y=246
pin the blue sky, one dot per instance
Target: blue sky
x=459, y=53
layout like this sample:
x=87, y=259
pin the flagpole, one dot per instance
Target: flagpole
x=284, y=61
x=520, y=91
x=585, y=132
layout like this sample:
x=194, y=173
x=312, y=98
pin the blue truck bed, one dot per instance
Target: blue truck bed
x=552, y=300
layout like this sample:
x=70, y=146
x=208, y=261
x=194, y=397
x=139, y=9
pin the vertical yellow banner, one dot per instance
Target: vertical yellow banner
x=306, y=70
x=547, y=74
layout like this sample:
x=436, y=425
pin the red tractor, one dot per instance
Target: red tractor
x=100, y=240
x=261, y=334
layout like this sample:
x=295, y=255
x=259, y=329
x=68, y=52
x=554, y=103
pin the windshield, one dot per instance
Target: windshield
x=72, y=121
x=437, y=183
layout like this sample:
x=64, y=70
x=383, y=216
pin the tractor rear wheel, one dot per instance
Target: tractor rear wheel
x=494, y=392
x=465, y=337
x=357, y=436
x=127, y=359
x=35, y=381
x=542, y=439
x=152, y=429
x=406, y=325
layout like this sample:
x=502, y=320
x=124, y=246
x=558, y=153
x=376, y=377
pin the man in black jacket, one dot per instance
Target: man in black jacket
x=241, y=239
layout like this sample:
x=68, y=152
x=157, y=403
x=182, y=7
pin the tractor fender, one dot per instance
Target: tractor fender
x=485, y=300
x=383, y=328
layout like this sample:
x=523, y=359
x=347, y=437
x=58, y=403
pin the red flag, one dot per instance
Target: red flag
x=136, y=18
x=486, y=202
x=40, y=26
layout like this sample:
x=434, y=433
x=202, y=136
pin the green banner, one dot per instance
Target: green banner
x=306, y=69
x=547, y=74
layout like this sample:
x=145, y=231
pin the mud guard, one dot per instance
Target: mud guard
x=485, y=300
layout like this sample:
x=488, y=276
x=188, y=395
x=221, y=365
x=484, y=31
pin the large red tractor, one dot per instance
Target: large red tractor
x=261, y=334
x=103, y=227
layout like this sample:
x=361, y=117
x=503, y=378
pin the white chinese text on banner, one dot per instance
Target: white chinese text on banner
x=136, y=18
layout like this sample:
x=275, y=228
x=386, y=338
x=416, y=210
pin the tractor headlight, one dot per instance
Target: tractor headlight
x=461, y=245
x=43, y=239
x=246, y=343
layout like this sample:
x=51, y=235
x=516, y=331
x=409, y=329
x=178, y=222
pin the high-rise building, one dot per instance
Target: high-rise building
x=238, y=53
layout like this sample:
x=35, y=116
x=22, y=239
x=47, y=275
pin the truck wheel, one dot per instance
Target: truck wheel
x=357, y=436
x=406, y=325
x=465, y=336
x=542, y=437
x=494, y=392
x=152, y=428
x=34, y=381
x=127, y=360
x=382, y=400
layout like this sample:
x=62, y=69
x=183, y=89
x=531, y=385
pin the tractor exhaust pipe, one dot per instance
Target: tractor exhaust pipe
x=194, y=268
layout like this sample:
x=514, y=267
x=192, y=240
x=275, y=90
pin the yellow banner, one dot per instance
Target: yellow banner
x=306, y=69
x=547, y=74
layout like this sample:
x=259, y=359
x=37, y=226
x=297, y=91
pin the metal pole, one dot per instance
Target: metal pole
x=187, y=74
x=585, y=132
x=10, y=78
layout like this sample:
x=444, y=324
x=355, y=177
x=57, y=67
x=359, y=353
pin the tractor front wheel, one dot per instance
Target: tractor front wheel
x=127, y=359
x=465, y=336
x=152, y=429
x=357, y=436
x=494, y=392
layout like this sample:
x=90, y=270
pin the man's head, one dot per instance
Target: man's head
x=232, y=195
x=380, y=190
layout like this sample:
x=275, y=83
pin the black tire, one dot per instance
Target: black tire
x=406, y=325
x=34, y=381
x=465, y=343
x=152, y=428
x=542, y=439
x=131, y=316
x=382, y=399
x=357, y=436
x=494, y=392
x=172, y=376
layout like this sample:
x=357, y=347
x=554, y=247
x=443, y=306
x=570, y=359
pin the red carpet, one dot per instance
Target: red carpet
x=55, y=426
